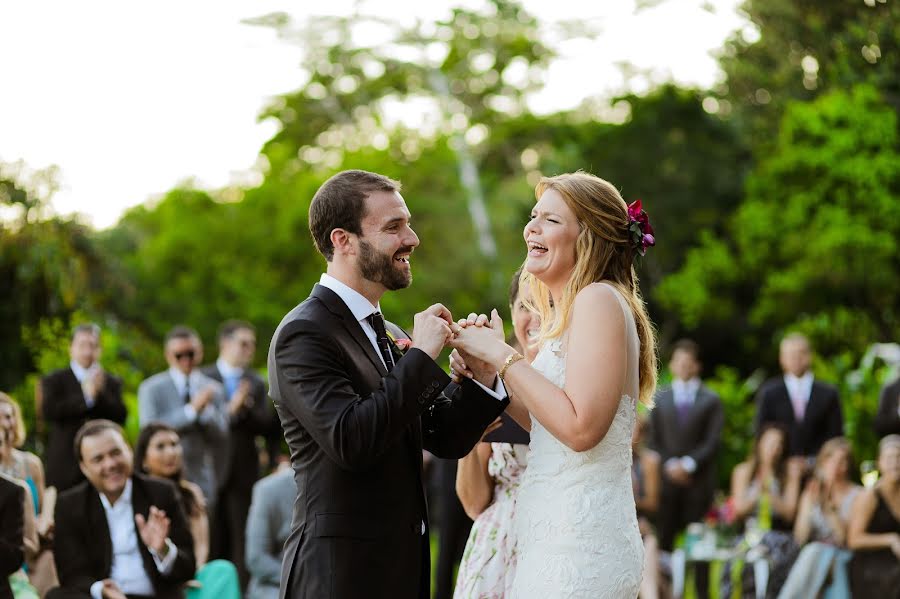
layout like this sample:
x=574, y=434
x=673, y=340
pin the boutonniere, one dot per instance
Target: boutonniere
x=402, y=345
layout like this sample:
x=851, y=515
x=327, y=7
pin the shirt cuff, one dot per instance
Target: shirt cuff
x=190, y=412
x=688, y=463
x=670, y=461
x=97, y=590
x=498, y=392
x=165, y=564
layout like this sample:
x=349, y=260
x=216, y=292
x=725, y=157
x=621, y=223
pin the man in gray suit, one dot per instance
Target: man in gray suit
x=268, y=527
x=193, y=404
x=686, y=430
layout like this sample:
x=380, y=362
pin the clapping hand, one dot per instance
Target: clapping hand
x=202, y=399
x=154, y=530
x=241, y=398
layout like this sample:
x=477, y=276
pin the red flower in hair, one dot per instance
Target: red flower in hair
x=639, y=228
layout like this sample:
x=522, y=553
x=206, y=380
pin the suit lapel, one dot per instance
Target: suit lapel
x=337, y=307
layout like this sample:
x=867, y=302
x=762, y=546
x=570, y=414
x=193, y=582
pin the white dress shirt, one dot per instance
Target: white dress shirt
x=799, y=387
x=361, y=308
x=685, y=393
x=83, y=375
x=127, y=569
x=197, y=382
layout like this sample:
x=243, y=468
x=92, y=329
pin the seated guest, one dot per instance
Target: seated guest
x=874, y=533
x=119, y=533
x=268, y=527
x=821, y=526
x=28, y=469
x=487, y=481
x=766, y=486
x=73, y=395
x=12, y=523
x=808, y=410
x=645, y=477
x=158, y=453
x=887, y=420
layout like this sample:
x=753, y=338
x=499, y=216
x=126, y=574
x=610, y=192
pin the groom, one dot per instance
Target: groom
x=356, y=412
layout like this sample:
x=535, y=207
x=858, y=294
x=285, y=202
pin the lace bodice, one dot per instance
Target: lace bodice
x=576, y=521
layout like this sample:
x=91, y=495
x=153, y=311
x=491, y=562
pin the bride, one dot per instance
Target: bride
x=576, y=523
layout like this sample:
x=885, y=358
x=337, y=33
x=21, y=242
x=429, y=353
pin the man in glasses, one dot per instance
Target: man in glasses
x=250, y=414
x=195, y=405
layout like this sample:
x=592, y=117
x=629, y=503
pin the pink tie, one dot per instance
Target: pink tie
x=799, y=405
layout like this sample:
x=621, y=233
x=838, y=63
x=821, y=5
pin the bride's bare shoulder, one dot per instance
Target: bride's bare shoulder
x=597, y=300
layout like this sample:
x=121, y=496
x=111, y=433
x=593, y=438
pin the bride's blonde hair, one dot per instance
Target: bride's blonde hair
x=603, y=252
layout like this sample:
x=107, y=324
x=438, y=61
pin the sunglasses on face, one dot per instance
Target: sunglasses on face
x=181, y=355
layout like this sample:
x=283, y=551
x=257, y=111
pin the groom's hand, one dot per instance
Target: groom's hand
x=431, y=330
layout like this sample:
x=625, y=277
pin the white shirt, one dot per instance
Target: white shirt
x=83, y=375
x=196, y=383
x=685, y=392
x=799, y=388
x=361, y=308
x=127, y=564
x=228, y=371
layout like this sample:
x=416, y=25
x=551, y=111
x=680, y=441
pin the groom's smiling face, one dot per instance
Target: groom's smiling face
x=387, y=241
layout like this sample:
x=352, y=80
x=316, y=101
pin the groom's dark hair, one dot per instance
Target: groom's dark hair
x=341, y=204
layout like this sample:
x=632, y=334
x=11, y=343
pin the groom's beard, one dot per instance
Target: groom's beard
x=379, y=268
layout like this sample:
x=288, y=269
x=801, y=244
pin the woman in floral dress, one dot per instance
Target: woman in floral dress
x=487, y=482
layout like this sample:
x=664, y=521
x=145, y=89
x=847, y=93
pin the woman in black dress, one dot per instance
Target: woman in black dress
x=874, y=532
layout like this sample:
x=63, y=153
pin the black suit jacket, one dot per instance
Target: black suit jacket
x=698, y=437
x=64, y=408
x=887, y=421
x=243, y=459
x=83, y=547
x=12, y=521
x=822, y=419
x=356, y=435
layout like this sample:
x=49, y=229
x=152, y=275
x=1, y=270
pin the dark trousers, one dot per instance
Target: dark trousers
x=678, y=507
x=228, y=526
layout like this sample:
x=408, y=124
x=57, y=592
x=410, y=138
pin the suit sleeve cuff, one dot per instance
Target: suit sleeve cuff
x=190, y=412
x=165, y=564
x=688, y=463
x=498, y=392
x=97, y=590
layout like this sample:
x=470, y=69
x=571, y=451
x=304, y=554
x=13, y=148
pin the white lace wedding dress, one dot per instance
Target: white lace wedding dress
x=576, y=526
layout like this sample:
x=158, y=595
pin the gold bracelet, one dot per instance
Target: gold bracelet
x=512, y=359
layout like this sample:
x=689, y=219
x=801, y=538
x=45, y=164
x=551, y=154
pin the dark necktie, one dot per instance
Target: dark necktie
x=384, y=344
x=187, y=391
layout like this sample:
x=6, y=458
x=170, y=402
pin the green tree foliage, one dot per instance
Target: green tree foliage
x=806, y=48
x=814, y=245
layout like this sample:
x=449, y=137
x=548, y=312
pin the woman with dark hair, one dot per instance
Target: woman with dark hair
x=874, y=532
x=767, y=485
x=158, y=452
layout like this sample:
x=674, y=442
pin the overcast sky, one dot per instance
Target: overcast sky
x=128, y=98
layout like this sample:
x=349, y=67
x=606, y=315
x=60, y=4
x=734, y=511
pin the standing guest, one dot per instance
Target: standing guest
x=766, y=486
x=887, y=420
x=821, y=527
x=249, y=415
x=194, y=405
x=73, y=395
x=809, y=410
x=158, y=453
x=268, y=527
x=874, y=533
x=686, y=429
x=119, y=534
x=487, y=480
